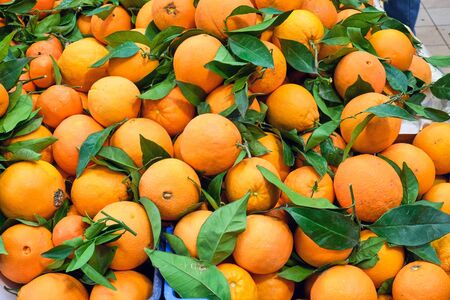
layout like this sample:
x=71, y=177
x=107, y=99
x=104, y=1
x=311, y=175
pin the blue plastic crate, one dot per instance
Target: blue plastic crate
x=157, y=286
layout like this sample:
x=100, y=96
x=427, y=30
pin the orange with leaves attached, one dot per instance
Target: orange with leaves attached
x=240, y=282
x=188, y=228
x=117, y=20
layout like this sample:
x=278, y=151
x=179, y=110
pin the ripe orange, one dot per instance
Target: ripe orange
x=399, y=56
x=267, y=80
x=42, y=66
x=324, y=9
x=128, y=284
x=315, y=255
x=302, y=26
x=41, y=132
x=306, y=182
x=118, y=20
x=344, y=14
x=190, y=58
x=343, y=282
x=440, y=193
x=291, y=106
x=376, y=186
x=211, y=15
x=24, y=245
x=144, y=16
x=275, y=155
x=420, y=69
x=173, y=112
x=53, y=286
x=379, y=133
x=71, y=134
x=57, y=103
x=265, y=245
x=245, y=177
x=219, y=139
x=240, y=282
x=168, y=13
x=362, y=64
x=421, y=280
x=140, y=63
x=188, y=228
x=169, y=184
x=84, y=100
x=222, y=98
x=97, y=187
x=48, y=47
x=42, y=5
x=84, y=24
x=281, y=5
x=417, y=160
x=28, y=188
x=29, y=86
x=68, y=228
x=130, y=248
x=435, y=141
x=127, y=137
x=273, y=287
x=442, y=247
x=76, y=60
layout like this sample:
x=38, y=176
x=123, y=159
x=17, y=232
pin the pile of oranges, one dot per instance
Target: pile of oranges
x=265, y=133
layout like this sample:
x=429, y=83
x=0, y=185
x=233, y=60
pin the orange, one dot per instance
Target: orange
x=28, y=188
x=328, y=50
x=399, y=56
x=47, y=47
x=306, y=182
x=440, y=193
x=140, y=63
x=57, y=103
x=343, y=283
x=29, y=86
x=379, y=133
x=211, y=16
x=385, y=297
x=266, y=80
x=302, y=26
x=43, y=5
x=275, y=155
x=71, y=134
x=240, y=282
x=128, y=284
x=336, y=139
x=344, y=14
x=362, y=64
x=376, y=186
x=127, y=137
x=42, y=66
x=315, y=255
x=188, y=228
x=68, y=228
x=435, y=141
x=291, y=106
x=97, y=187
x=273, y=287
x=144, y=16
x=84, y=24
x=118, y=20
x=168, y=13
x=417, y=160
x=280, y=5
x=219, y=139
x=24, y=245
x=173, y=112
x=222, y=98
x=53, y=40
x=130, y=248
x=169, y=184
x=265, y=245
x=278, y=213
x=324, y=9
x=191, y=57
x=390, y=261
x=421, y=280
x=113, y=99
x=420, y=69
x=176, y=147
x=84, y=100
x=76, y=60
x=41, y=132
x=245, y=177
x=442, y=247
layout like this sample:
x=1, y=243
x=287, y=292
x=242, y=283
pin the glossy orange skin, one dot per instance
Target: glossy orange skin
x=42, y=66
x=41, y=132
x=324, y=9
x=4, y=100
x=240, y=282
x=440, y=193
x=168, y=13
x=420, y=69
x=273, y=287
x=128, y=284
x=118, y=20
x=68, y=228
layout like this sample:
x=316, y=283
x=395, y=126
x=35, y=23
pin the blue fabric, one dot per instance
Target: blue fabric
x=405, y=11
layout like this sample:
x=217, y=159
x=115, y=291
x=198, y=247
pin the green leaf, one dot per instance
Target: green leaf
x=91, y=146
x=10, y=71
x=21, y=7
x=359, y=41
x=425, y=252
x=298, y=56
x=194, y=94
x=96, y=277
x=176, y=244
x=329, y=229
x=154, y=218
x=264, y=25
x=215, y=186
x=102, y=12
x=288, y=155
x=5, y=43
x=58, y=252
x=160, y=43
x=356, y=132
x=2, y=247
x=390, y=111
x=336, y=36
x=124, y=50
x=441, y=88
x=428, y=112
x=189, y=277
x=317, y=161
x=296, y=273
x=358, y=88
x=396, y=78
x=36, y=145
x=46, y=25
x=321, y=133
x=297, y=199
x=436, y=205
x=366, y=255
x=118, y=157
x=28, y=127
x=217, y=237
x=251, y=49
x=119, y=37
x=410, y=185
x=82, y=256
x=412, y=225
x=57, y=71
x=17, y=113
x=439, y=61
x=151, y=152
x=160, y=90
